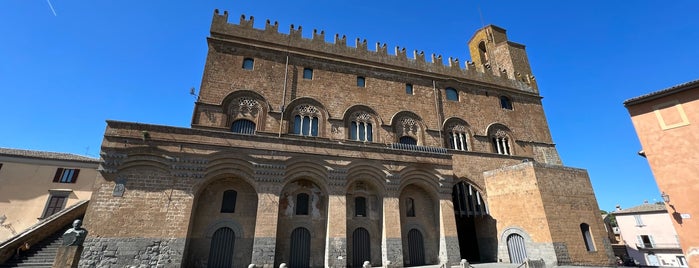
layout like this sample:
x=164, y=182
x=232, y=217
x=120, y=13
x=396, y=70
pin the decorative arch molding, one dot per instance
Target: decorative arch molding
x=457, y=134
x=501, y=138
x=502, y=242
x=374, y=174
x=307, y=117
x=294, y=104
x=422, y=179
x=221, y=223
x=307, y=170
x=493, y=128
x=362, y=124
x=146, y=158
x=245, y=104
x=406, y=123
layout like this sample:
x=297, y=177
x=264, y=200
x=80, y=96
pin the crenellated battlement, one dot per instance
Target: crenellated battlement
x=317, y=44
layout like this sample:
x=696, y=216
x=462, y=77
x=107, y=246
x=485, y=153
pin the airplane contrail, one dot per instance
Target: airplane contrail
x=51, y=6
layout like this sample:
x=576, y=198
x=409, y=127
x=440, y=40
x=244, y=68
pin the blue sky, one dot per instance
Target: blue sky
x=63, y=75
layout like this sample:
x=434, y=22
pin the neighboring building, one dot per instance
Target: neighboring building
x=667, y=123
x=35, y=185
x=321, y=154
x=647, y=232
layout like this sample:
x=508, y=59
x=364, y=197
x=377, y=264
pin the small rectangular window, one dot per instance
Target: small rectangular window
x=66, y=175
x=302, y=204
x=248, y=63
x=228, y=202
x=361, y=81
x=308, y=73
x=409, y=89
x=410, y=207
x=360, y=206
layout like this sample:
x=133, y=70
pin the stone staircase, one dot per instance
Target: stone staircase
x=40, y=255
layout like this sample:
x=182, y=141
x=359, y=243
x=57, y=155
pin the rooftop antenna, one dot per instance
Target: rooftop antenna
x=489, y=35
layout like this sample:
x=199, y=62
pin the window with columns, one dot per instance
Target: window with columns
x=457, y=137
x=306, y=120
x=360, y=127
x=501, y=143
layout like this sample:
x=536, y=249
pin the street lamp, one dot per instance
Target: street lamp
x=665, y=197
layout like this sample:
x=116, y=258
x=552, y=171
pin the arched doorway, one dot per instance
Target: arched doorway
x=516, y=249
x=471, y=214
x=222, y=245
x=223, y=215
x=361, y=247
x=416, y=248
x=300, y=255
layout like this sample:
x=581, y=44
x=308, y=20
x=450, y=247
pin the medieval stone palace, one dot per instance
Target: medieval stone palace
x=316, y=154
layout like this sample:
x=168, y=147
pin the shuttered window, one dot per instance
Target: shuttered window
x=66, y=175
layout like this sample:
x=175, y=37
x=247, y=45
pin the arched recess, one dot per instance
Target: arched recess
x=514, y=242
x=364, y=210
x=291, y=218
x=419, y=194
x=457, y=134
x=362, y=124
x=245, y=105
x=501, y=139
x=408, y=124
x=474, y=226
x=208, y=217
x=307, y=117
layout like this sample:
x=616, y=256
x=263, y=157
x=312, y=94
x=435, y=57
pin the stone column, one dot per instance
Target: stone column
x=336, y=240
x=264, y=243
x=449, y=252
x=392, y=246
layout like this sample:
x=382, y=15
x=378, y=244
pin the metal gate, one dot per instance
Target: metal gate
x=361, y=247
x=221, y=251
x=516, y=249
x=416, y=248
x=300, y=248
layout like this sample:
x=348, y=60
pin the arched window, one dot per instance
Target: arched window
x=360, y=206
x=482, y=52
x=248, y=63
x=361, y=128
x=243, y=126
x=452, y=94
x=307, y=73
x=302, y=204
x=457, y=137
x=587, y=237
x=410, y=207
x=407, y=140
x=501, y=142
x=505, y=103
x=228, y=203
x=306, y=120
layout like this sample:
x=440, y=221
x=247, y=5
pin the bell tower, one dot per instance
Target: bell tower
x=490, y=50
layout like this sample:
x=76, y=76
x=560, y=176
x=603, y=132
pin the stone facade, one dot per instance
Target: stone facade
x=320, y=154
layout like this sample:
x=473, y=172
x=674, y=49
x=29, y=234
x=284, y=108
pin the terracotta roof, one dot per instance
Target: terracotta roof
x=646, y=207
x=46, y=155
x=660, y=93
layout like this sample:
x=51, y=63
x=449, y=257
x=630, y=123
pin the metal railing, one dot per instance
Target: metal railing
x=658, y=246
x=415, y=148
